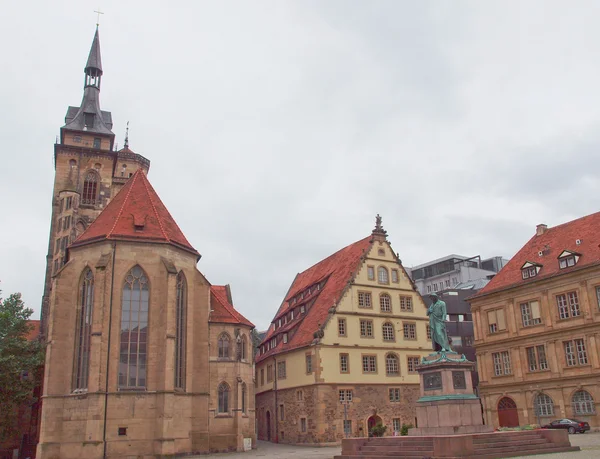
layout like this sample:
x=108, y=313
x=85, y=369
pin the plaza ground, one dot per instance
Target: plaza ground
x=589, y=443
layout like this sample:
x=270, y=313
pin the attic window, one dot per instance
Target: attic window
x=285, y=338
x=381, y=252
x=88, y=119
x=567, y=259
x=302, y=309
x=529, y=272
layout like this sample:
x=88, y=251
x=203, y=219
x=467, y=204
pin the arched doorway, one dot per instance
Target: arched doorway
x=508, y=416
x=372, y=422
x=268, y=426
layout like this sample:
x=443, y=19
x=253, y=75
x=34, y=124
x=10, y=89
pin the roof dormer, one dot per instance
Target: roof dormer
x=530, y=269
x=567, y=259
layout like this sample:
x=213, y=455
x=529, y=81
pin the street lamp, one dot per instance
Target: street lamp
x=345, y=403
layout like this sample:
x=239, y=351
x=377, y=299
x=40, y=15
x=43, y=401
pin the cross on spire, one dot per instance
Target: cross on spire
x=99, y=13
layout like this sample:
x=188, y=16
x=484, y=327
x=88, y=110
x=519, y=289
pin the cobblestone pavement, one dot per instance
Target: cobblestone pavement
x=589, y=443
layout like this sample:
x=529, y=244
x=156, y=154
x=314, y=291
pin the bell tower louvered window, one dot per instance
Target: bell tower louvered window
x=90, y=188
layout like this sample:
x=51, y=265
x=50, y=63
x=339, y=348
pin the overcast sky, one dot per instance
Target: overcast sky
x=278, y=129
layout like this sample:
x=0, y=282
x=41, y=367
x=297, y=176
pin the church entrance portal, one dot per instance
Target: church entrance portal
x=508, y=416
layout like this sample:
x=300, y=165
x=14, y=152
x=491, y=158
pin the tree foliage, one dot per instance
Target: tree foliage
x=20, y=361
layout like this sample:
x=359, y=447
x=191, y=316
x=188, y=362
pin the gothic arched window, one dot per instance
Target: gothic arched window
x=544, y=405
x=90, y=188
x=244, y=398
x=244, y=347
x=385, y=302
x=583, y=403
x=223, y=398
x=388, y=331
x=134, y=330
x=224, y=346
x=180, y=331
x=382, y=275
x=83, y=330
x=392, y=366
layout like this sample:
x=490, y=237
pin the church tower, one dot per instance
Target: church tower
x=88, y=170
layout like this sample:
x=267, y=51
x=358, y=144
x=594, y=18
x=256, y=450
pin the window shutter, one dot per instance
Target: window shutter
x=492, y=317
x=535, y=309
x=500, y=318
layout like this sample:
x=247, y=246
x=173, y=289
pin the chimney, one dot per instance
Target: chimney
x=540, y=229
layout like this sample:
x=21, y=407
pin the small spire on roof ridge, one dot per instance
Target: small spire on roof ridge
x=127, y=136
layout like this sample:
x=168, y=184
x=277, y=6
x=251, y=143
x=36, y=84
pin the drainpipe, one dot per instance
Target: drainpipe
x=110, y=308
x=276, y=411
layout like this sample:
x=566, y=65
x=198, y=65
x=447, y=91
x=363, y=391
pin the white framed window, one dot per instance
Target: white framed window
x=536, y=358
x=388, y=332
x=341, y=327
x=344, y=364
x=392, y=365
x=394, y=394
x=530, y=313
x=410, y=330
x=395, y=276
x=502, y=365
x=412, y=363
x=406, y=303
x=583, y=403
x=496, y=320
x=397, y=425
x=369, y=363
x=385, y=302
x=568, y=305
x=345, y=395
x=366, y=328
x=364, y=300
x=382, y=275
x=371, y=272
x=544, y=405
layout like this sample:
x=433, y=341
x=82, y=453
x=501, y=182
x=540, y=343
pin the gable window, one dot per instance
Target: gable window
x=406, y=303
x=567, y=259
x=90, y=188
x=369, y=363
x=388, y=332
x=285, y=338
x=344, y=365
x=382, y=275
x=341, y=327
x=496, y=320
x=223, y=346
x=575, y=352
x=385, y=302
x=366, y=328
x=308, y=359
x=180, y=330
x=364, y=300
x=544, y=405
x=395, y=276
x=392, y=368
x=281, y=372
x=568, y=305
x=134, y=330
x=302, y=309
x=530, y=313
x=394, y=394
x=583, y=403
x=412, y=362
x=502, y=365
x=83, y=331
x=410, y=331
x=536, y=358
x=223, y=406
x=528, y=272
x=380, y=252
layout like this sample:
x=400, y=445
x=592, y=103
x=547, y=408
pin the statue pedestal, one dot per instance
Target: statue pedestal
x=448, y=405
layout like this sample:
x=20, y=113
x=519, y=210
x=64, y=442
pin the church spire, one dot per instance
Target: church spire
x=93, y=67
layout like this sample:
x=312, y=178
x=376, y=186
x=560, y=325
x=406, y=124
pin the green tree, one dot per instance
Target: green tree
x=20, y=361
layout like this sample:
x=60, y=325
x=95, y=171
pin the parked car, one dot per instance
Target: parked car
x=572, y=425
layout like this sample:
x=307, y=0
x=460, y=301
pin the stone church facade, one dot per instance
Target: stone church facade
x=145, y=358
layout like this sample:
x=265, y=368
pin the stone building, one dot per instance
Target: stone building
x=341, y=351
x=537, y=329
x=145, y=358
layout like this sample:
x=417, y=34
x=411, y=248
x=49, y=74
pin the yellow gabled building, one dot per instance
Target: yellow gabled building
x=340, y=353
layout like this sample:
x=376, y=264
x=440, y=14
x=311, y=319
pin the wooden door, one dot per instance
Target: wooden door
x=508, y=415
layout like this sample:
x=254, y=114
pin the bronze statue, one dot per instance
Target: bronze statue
x=437, y=323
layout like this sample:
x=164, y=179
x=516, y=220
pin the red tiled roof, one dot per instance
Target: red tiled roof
x=136, y=213
x=34, y=330
x=338, y=270
x=222, y=310
x=552, y=243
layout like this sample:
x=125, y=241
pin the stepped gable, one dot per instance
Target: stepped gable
x=136, y=213
x=337, y=271
x=222, y=307
x=552, y=242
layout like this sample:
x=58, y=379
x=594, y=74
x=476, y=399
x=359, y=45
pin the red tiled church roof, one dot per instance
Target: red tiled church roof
x=337, y=270
x=552, y=242
x=222, y=309
x=136, y=213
